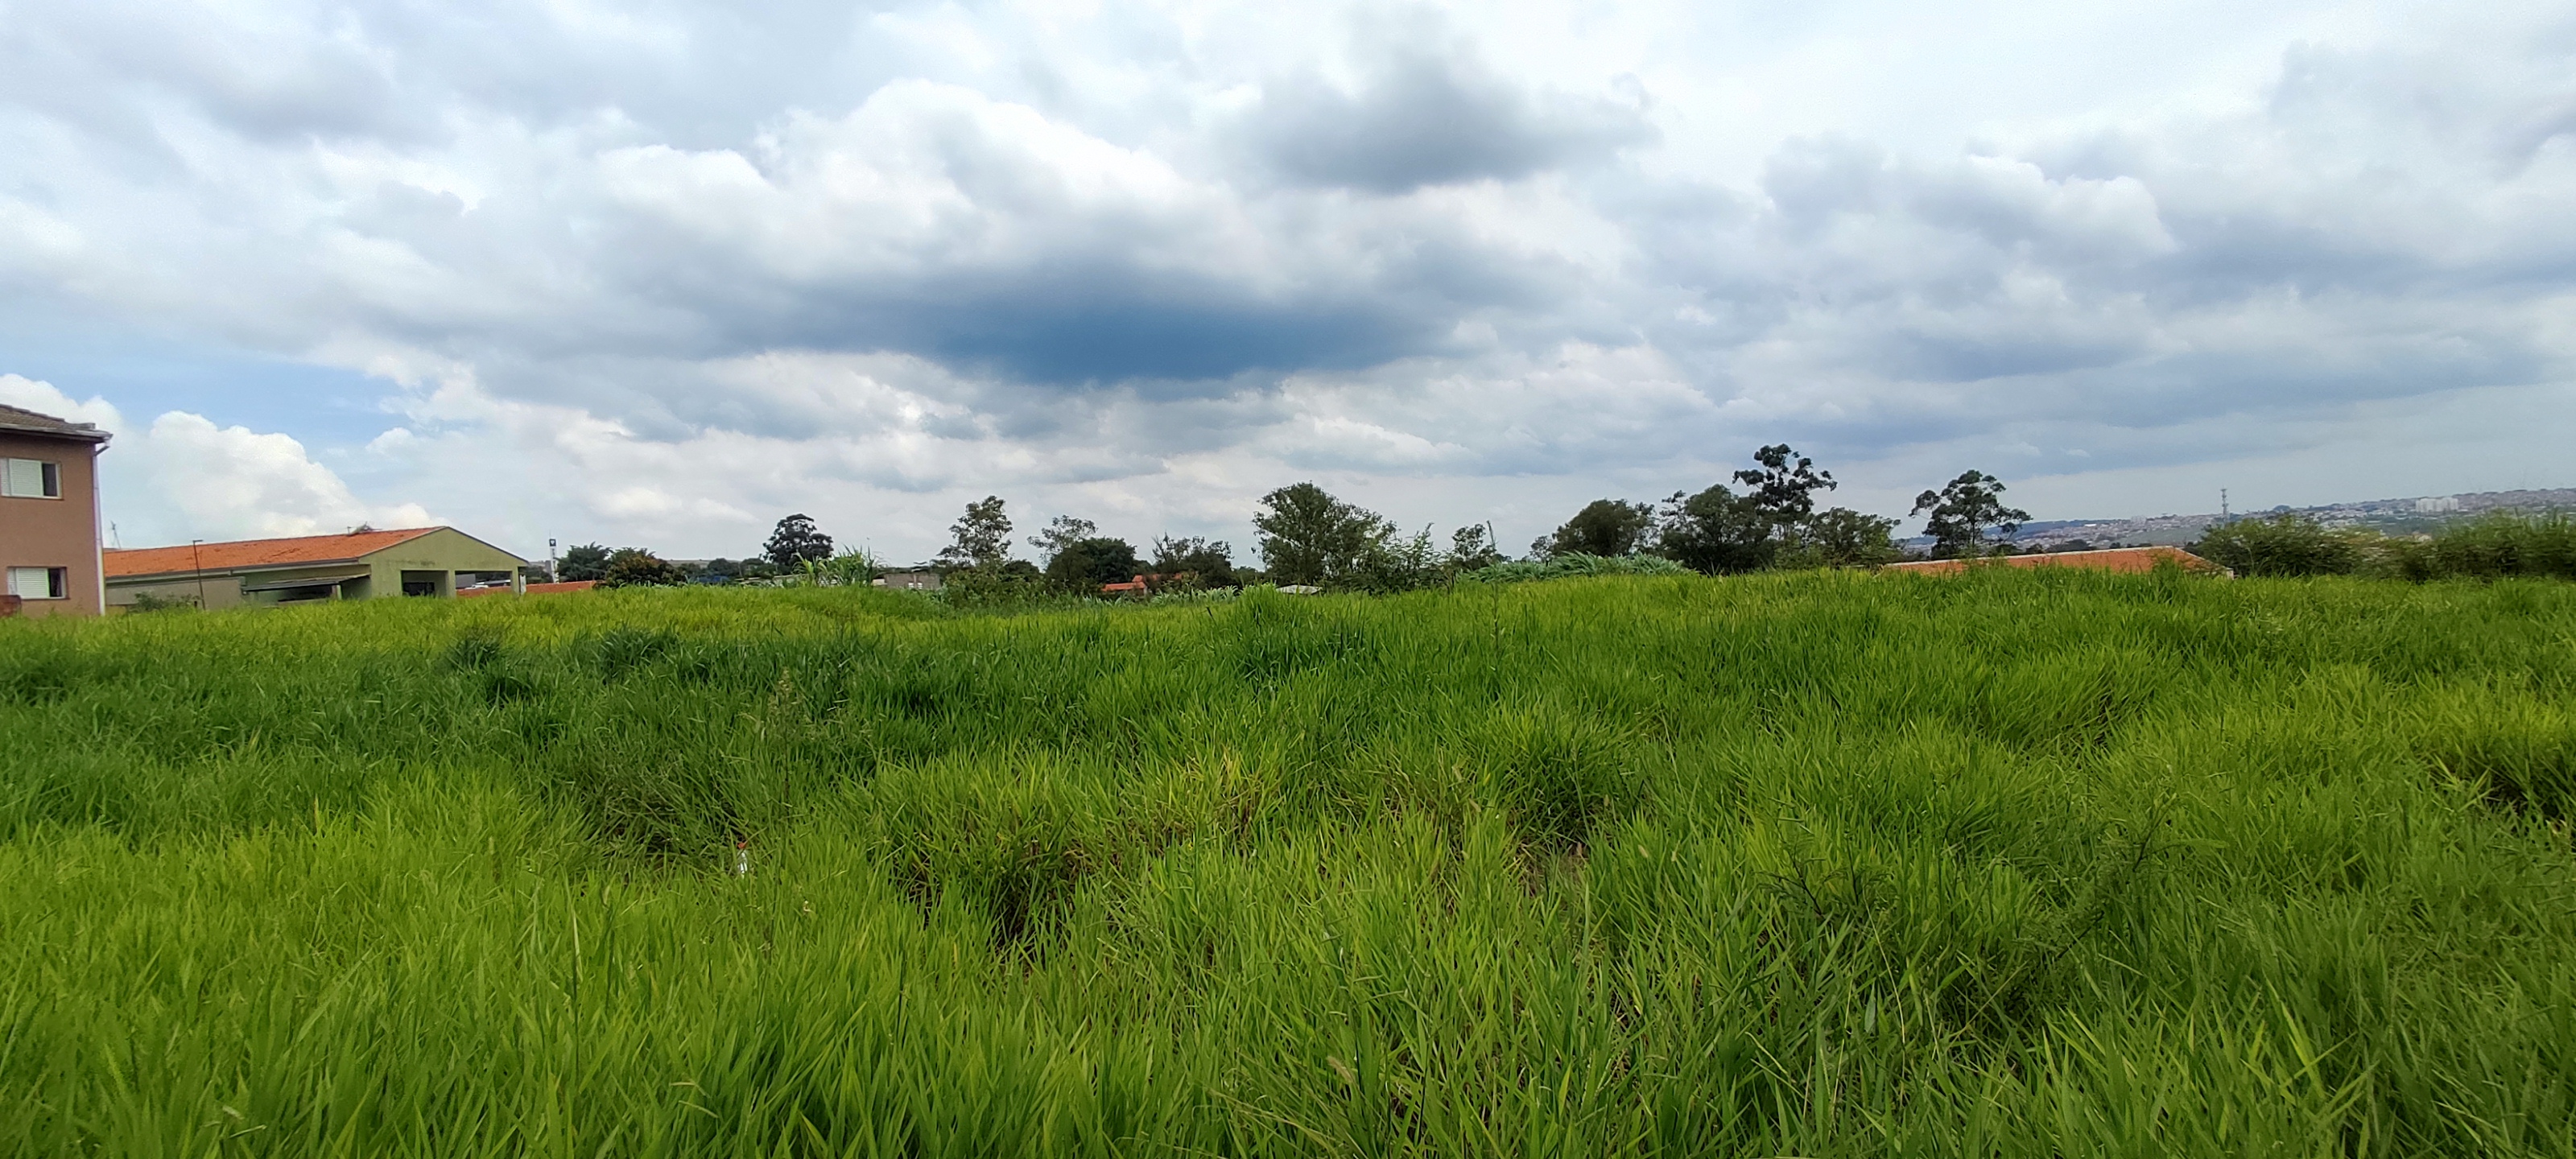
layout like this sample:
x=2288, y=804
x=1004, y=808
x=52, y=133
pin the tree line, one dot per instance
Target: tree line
x=1303, y=535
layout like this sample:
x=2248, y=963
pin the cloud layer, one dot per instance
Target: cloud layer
x=660, y=275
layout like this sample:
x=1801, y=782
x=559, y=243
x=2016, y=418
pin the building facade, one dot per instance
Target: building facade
x=49, y=514
x=361, y=565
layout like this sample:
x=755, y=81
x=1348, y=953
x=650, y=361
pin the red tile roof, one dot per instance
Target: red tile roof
x=300, y=551
x=2125, y=559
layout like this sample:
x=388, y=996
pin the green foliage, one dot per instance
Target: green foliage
x=2495, y=546
x=1572, y=564
x=981, y=538
x=1472, y=547
x=585, y=561
x=1785, y=486
x=634, y=567
x=1309, y=537
x=1080, y=567
x=848, y=568
x=150, y=602
x=1061, y=532
x=1390, y=565
x=1716, y=532
x=1838, y=537
x=795, y=542
x=2021, y=863
x=1195, y=564
x=1604, y=527
x=2500, y=545
x=2287, y=544
x=1013, y=585
x=1963, y=513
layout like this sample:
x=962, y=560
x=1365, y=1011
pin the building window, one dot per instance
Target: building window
x=40, y=583
x=32, y=479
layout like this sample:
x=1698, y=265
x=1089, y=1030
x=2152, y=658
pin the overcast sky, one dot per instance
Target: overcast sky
x=658, y=274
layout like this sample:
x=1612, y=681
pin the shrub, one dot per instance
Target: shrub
x=2495, y=546
x=1573, y=564
x=633, y=567
x=2288, y=544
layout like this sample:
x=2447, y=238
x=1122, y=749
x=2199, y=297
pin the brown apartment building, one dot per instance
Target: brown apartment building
x=49, y=515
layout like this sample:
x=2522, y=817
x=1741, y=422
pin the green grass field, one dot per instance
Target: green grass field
x=2018, y=864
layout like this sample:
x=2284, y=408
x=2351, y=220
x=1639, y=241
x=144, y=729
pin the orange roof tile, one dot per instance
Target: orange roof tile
x=2124, y=559
x=300, y=551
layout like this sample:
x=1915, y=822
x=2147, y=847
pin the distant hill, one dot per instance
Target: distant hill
x=2392, y=516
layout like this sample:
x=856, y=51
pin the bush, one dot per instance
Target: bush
x=2495, y=546
x=634, y=567
x=2287, y=544
x=1573, y=564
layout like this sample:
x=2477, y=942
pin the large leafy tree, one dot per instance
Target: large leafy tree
x=1309, y=537
x=1964, y=511
x=794, y=541
x=1716, y=531
x=635, y=567
x=981, y=538
x=1084, y=564
x=1607, y=527
x=1205, y=563
x=1784, y=489
x=1061, y=532
x=586, y=561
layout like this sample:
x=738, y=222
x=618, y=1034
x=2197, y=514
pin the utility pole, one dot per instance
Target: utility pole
x=197, y=563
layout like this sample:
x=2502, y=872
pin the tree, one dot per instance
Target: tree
x=1084, y=564
x=1962, y=512
x=1473, y=547
x=1390, y=564
x=1840, y=537
x=1309, y=537
x=981, y=538
x=794, y=541
x=1716, y=532
x=1062, y=532
x=1784, y=489
x=1605, y=527
x=1195, y=562
x=635, y=567
x=588, y=561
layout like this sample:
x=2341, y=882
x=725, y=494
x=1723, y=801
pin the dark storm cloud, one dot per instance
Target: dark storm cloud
x=1430, y=120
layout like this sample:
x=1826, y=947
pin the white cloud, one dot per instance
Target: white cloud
x=182, y=477
x=660, y=277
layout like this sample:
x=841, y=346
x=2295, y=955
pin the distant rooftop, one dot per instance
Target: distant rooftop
x=2127, y=559
x=15, y=420
x=296, y=551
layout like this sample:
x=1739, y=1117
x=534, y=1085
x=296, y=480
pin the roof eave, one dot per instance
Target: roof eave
x=97, y=437
x=236, y=569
